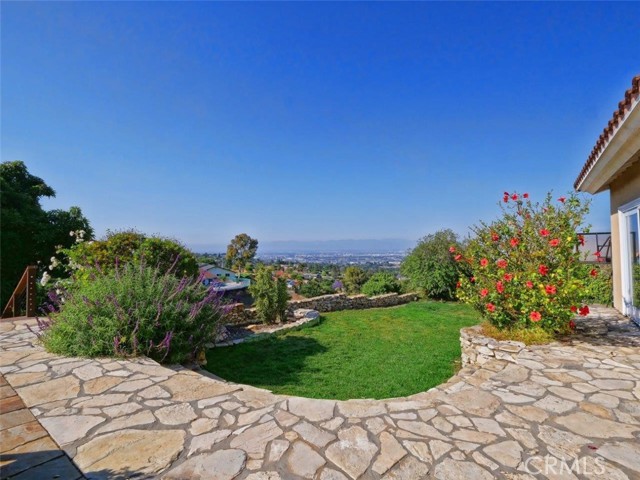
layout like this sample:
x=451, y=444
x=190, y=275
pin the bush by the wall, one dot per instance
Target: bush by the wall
x=134, y=310
x=354, y=278
x=315, y=288
x=526, y=269
x=270, y=295
x=431, y=266
x=381, y=283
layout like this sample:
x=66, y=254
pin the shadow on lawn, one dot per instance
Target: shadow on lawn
x=277, y=360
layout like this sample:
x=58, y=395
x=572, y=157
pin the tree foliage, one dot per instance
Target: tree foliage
x=270, y=295
x=431, y=267
x=130, y=246
x=381, y=283
x=30, y=235
x=241, y=251
x=354, y=278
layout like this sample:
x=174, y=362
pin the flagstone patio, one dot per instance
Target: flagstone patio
x=577, y=402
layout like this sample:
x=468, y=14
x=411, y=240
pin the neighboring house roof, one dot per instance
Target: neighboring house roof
x=625, y=107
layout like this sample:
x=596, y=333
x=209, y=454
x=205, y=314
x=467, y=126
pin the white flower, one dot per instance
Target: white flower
x=45, y=279
x=72, y=233
x=53, y=259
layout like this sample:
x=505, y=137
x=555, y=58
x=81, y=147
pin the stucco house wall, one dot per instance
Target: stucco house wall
x=622, y=190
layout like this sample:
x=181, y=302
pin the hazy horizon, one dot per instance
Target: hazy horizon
x=370, y=245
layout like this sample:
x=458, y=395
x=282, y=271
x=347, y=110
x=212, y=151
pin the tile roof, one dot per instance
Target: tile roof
x=632, y=95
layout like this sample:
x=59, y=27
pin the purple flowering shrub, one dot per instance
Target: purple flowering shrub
x=133, y=310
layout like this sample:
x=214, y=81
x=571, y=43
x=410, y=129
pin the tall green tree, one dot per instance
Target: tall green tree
x=354, y=278
x=29, y=234
x=241, y=251
x=431, y=266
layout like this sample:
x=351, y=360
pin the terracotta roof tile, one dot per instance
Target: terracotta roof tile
x=624, y=106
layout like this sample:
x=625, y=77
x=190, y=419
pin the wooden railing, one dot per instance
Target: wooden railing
x=26, y=290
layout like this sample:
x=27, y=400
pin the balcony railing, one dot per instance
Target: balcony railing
x=596, y=248
x=24, y=294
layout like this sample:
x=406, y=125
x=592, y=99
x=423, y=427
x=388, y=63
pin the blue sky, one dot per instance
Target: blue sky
x=309, y=121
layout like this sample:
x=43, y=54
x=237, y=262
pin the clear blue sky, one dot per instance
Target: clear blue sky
x=309, y=121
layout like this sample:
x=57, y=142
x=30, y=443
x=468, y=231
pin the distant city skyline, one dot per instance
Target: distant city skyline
x=327, y=246
x=309, y=122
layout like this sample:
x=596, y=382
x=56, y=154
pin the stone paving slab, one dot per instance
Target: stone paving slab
x=575, y=403
x=26, y=449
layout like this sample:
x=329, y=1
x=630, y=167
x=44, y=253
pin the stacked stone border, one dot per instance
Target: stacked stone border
x=478, y=349
x=239, y=315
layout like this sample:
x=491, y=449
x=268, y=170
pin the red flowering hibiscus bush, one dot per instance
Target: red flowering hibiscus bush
x=526, y=269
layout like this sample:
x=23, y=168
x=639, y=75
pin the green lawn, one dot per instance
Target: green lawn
x=377, y=353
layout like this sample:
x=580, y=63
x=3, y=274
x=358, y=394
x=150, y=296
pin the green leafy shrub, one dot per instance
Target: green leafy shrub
x=598, y=281
x=431, y=267
x=381, y=283
x=525, y=267
x=270, y=295
x=315, y=288
x=129, y=246
x=354, y=278
x=134, y=310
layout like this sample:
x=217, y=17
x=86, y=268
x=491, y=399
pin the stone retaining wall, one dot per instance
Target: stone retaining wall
x=238, y=314
x=478, y=349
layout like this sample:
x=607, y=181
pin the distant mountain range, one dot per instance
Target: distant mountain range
x=322, y=246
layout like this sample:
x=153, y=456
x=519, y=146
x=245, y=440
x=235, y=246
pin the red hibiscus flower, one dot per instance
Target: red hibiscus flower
x=544, y=232
x=484, y=262
x=543, y=270
x=593, y=272
x=505, y=199
x=508, y=277
x=490, y=307
x=550, y=289
x=458, y=285
x=484, y=292
x=584, y=311
x=495, y=237
x=452, y=249
x=472, y=279
x=514, y=197
x=502, y=263
x=535, y=316
x=525, y=195
x=457, y=257
x=529, y=284
x=574, y=309
x=562, y=199
x=572, y=325
x=499, y=287
x=581, y=240
x=554, y=243
x=514, y=242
